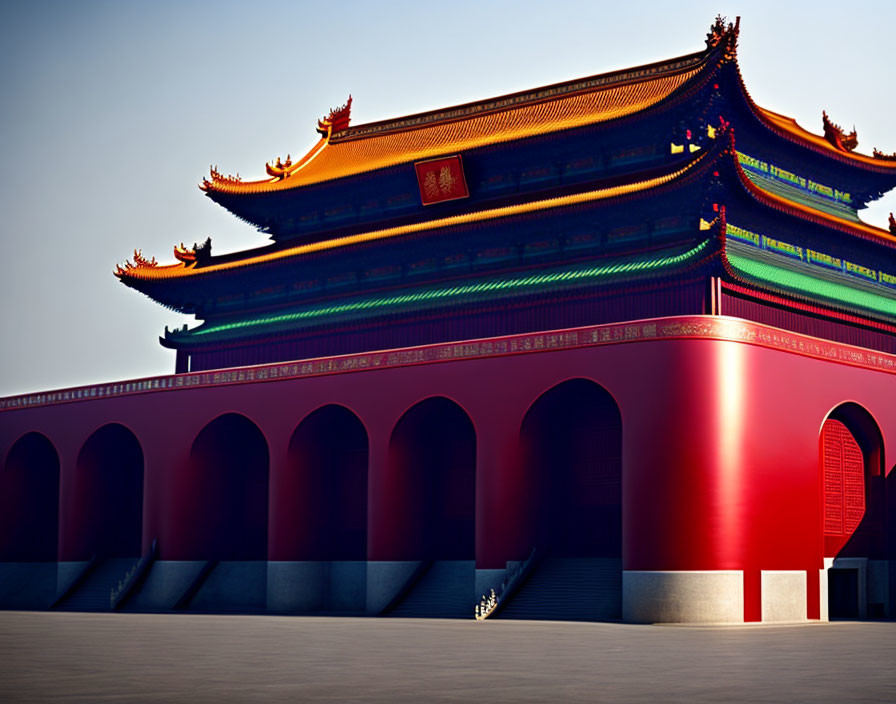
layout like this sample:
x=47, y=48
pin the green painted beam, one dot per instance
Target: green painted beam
x=832, y=291
x=445, y=295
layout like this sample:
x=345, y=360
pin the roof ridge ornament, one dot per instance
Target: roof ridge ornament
x=337, y=120
x=878, y=154
x=218, y=177
x=279, y=169
x=724, y=35
x=892, y=224
x=199, y=252
x=836, y=136
x=183, y=254
x=140, y=262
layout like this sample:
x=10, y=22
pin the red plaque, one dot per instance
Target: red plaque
x=441, y=180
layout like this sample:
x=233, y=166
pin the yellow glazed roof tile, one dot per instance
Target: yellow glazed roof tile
x=151, y=271
x=792, y=127
x=367, y=148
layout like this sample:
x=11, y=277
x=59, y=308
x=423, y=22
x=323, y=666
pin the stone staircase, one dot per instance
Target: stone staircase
x=94, y=591
x=569, y=589
x=444, y=591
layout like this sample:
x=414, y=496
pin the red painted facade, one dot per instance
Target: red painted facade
x=721, y=467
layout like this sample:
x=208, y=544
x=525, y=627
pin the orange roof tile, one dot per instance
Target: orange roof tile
x=180, y=270
x=554, y=108
x=782, y=123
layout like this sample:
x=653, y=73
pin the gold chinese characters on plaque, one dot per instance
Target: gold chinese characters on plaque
x=441, y=179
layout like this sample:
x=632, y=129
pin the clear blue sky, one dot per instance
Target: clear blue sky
x=113, y=111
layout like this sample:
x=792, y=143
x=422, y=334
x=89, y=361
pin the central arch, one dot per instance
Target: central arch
x=228, y=511
x=106, y=510
x=322, y=502
x=571, y=449
x=432, y=459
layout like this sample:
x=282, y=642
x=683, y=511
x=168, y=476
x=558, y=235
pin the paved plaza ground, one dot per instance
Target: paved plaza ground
x=142, y=658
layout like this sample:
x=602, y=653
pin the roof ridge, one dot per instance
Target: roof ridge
x=529, y=96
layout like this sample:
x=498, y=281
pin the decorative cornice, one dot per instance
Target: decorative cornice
x=694, y=327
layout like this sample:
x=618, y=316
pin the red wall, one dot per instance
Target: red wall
x=720, y=441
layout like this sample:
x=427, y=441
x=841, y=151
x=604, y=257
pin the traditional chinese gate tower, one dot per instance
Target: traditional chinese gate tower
x=676, y=386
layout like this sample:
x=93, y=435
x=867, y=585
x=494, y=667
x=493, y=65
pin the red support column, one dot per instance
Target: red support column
x=503, y=493
x=385, y=497
x=286, y=519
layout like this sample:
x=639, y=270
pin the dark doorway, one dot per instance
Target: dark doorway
x=843, y=593
x=327, y=486
x=571, y=441
x=228, y=514
x=432, y=455
x=107, y=506
x=29, y=501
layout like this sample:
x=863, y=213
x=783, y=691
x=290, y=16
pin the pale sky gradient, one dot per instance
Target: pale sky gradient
x=111, y=112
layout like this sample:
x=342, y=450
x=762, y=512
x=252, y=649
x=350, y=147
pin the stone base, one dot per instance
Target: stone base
x=307, y=587
x=384, y=581
x=784, y=595
x=27, y=585
x=683, y=597
x=235, y=587
x=166, y=582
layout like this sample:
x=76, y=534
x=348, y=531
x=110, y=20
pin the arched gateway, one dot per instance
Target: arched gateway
x=432, y=466
x=571, y=442
x=104, y=507
x=571, y=459
x=319, y=508
x=226, y=487
x=854, y=513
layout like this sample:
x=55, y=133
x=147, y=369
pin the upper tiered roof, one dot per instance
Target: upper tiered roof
x=551, y=109
x=338, y=274
x=345, y=151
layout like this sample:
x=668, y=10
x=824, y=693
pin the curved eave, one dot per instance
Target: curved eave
x=434, y=298
x=820, y=217
x=811, y=294
x=622, y=94
x=789, y=129
x=146, y=278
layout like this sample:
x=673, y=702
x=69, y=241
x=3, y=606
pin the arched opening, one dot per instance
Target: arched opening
x=432, y=459
x=29, y=501
x=853, y=513
x=326, y=489
x=106, y=512
x=571, y=449
x=228, y=508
